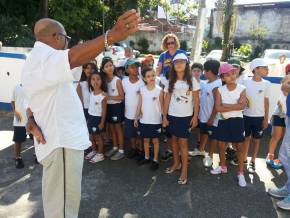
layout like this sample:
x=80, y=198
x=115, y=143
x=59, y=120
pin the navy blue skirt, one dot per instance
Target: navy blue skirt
x=93, y=123
x=129, y=130
x=150, y=130
x=115, y=113
x=231, y=130
x=179, y=126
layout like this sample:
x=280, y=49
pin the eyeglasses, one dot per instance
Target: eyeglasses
x=68, y=38
x=170, y=43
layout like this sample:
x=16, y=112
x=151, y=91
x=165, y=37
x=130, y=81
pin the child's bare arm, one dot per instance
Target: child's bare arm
x=213, y=112
x=104, y=113
x=138, y=111
x=161, y=101
x=80, y=94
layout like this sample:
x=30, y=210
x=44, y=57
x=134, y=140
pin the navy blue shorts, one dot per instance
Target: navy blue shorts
x=231, y=130
x=278, y=121
x=179, y=126
x=253, y=127
x=129, y=129
x=115, y=113
x=150, y=130
x=93, y=123
x=19, y=135
x=211, y=131
x=86, y=113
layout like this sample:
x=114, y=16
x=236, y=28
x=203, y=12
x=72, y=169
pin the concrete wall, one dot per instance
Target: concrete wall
x=155, y=38
x=275, y=19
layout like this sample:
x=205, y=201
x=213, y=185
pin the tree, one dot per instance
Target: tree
x=227, y=29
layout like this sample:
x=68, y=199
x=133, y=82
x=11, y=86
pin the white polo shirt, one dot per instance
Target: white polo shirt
x=48, y=84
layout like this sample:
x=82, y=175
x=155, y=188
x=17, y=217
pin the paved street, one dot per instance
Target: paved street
x=122, y=189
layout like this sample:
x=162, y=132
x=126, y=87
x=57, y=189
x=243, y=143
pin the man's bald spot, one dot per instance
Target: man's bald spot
x=47, y=27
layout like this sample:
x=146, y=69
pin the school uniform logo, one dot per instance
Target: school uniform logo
x=260, y=133
x=182, y=99
x=260, y=91
x=94, y=129
x=154, y=98
x=115, y=118
x=159, y=130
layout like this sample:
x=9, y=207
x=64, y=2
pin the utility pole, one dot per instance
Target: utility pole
x=199, y=31
x=44, y=8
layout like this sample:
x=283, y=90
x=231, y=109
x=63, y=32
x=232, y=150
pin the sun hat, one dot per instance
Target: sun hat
x=180, y=56
x=225, y=68
x=132, y=61
x=258, y=62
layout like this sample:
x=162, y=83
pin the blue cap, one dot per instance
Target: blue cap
x=132, y=61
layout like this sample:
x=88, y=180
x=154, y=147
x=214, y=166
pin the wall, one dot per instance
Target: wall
x=155, y=37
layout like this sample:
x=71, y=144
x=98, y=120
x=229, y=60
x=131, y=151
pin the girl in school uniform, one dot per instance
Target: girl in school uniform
x=83, y=89
x=230, y=102
x=180, y=115
x=150, y=101
x=115, y=109
x=97, y=116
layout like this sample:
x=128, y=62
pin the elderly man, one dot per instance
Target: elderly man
x=56, y=117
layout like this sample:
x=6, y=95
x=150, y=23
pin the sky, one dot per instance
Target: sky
x=210, y=3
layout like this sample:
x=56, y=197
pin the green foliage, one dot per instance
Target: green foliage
x=143, y=45
x=218, y=42
x=206, y=45
x=245, y=51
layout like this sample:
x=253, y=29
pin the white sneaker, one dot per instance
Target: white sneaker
x=196, y=152
x=90, y=155
x=207, y=161
x=97, y=158
x=242, y=180
x=219, y=170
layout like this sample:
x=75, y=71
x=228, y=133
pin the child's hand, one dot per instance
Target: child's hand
x=18, y=116
x=280, y=105
x=210, y=121
x=165, y=122
x=136, y=123
x=265, y=124
x=101, y=126
x=194, y=122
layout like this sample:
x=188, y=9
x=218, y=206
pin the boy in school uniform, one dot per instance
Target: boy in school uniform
x=256, y=113
x=131, y=86
x=19, y=106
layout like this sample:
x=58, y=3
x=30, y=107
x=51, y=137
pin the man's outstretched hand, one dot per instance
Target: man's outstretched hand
x=127, y=24
x=34, y=129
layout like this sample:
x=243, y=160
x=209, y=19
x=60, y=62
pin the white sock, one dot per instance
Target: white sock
x=115, y=148
x=147, y=158
x=121, y=151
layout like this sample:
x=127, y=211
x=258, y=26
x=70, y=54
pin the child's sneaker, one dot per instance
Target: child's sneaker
x=132, y=153
x=154, y=166
x=111, y=152
x=252, y=167
x=196, y=152
x=166, y=156
x=241, y=180
x=90, y=155
x=278, y=192
x=207, y=161
x=275, y=164
x=285, y=203
x=118, y=156
x=19, y=163
x=97, y=158
x=219, y=170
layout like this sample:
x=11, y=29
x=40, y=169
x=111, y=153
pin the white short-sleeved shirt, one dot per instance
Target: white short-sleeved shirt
x=48, y=84
x=151, y=108
x=113, y=90
x=95, y=107
x=181, y=102
x=131, y=96
x=85, y=93
x=256, y=93
x=207, y=100
x=281, y=111
x=231, y=97
x=20, y=102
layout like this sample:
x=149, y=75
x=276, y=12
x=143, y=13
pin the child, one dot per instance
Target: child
x=230, y=102
x=19, y=106
x=278, y=127
x=241, y=76
x=207, y=113
x=256, y=113
x=181, y=93
x=115, y=109
x=132, y=85
x=97, y=116
x=83, y=87
x=197, y=70
x=150, y=103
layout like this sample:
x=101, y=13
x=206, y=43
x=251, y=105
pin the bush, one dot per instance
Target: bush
x=183, y=45
x=218, y=41
x=245, y=51
x=143, y=45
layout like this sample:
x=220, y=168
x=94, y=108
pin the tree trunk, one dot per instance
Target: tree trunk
x=227, y=29
x=44, y=8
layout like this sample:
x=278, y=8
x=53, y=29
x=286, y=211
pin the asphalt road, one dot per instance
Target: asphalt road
x=123, y=189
